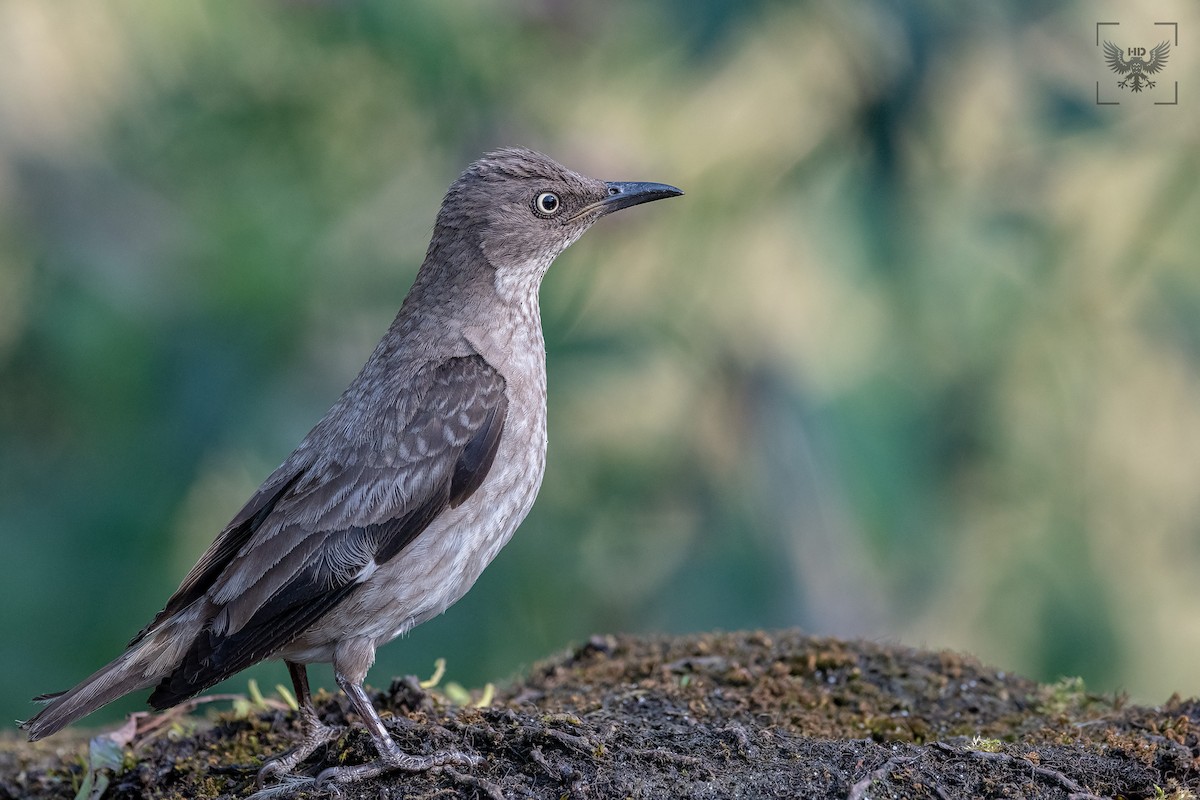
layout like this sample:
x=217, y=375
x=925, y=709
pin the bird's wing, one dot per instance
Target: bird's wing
x=226, y=546
x=1158, y=58
x=300, y=548
x=1115, y=58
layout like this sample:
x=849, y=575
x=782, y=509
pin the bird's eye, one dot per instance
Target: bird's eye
x=547, y=204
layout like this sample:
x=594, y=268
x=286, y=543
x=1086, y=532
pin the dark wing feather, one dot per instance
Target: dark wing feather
x=226, y=546
x=1115, y=58
x=476, y=459
x=214, y=657
x=363, y=504
x=1158, y=58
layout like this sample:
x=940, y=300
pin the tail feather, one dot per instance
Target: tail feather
x=124, y=675
x=47, y=697
x=155, y=655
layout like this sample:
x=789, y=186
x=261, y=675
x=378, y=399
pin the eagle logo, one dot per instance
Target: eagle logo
x=1138, y=68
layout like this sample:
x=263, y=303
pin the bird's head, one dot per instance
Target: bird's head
x=522, y=209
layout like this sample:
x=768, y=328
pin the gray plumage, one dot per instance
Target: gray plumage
x=391, y=507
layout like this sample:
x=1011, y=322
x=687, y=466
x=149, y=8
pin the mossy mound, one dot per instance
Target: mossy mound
x=750, y=715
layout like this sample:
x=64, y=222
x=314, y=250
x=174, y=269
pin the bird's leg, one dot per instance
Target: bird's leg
x=314, y=732
x=391, y=757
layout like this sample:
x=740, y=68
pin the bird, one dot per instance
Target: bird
x=391, y=506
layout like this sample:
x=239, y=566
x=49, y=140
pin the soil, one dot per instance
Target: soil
x=738, y=715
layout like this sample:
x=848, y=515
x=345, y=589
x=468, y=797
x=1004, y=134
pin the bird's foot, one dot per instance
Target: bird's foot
x=316, y=734
x=287, y=786
x=1122, y=84
x=396, y=760
x=1151, y=84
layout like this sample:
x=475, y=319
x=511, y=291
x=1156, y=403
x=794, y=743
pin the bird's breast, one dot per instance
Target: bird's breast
x=446, y=559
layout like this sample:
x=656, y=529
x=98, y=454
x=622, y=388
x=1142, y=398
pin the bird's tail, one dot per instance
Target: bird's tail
x=115, y=680
x=139, y=667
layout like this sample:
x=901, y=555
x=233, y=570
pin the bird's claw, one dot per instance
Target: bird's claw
x=288, y=784
x=396, y=761
x=274, y=768
x=282, y=765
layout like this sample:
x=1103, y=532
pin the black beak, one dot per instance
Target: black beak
x=626, y=194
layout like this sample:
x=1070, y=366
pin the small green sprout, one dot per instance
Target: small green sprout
x=439, y=670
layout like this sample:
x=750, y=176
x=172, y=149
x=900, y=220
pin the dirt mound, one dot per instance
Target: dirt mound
x=710, y=716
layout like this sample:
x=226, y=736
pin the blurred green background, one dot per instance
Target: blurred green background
x=917, y=357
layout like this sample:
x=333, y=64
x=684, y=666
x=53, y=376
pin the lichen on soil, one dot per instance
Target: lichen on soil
x=747, y=715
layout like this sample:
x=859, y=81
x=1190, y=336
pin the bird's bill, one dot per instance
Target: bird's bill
x=623, y=194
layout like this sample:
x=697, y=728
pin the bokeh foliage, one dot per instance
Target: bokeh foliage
x=917, y=356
